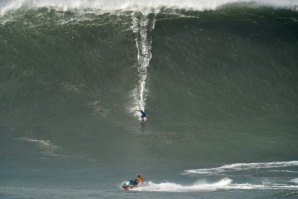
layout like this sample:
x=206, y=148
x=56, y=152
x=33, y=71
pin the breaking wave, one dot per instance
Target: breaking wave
x=7, y=6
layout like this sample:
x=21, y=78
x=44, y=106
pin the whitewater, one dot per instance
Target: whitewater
x=7, y=6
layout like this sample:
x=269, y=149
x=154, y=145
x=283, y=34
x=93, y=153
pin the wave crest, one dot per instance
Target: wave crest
x=135, y=5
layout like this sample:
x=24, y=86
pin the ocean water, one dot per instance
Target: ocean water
x=217, y=79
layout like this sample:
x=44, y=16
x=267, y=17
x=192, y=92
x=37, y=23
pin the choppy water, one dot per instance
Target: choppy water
x=218, y=82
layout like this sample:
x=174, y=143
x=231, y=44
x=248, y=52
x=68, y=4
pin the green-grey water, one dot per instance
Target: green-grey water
x=220, y=87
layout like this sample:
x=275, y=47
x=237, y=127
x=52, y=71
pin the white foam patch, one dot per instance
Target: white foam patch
x=133, y=5
x=295, y=180
x=47, y=147
x=242, y=166
x=41, y=143
x=283, y=171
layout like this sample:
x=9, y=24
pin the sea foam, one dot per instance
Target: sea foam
x=174, y=187
x=203, y=186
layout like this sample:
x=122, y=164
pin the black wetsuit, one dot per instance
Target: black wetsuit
x=143, y=114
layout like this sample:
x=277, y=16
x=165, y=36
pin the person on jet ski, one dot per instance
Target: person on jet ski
x=139, y=179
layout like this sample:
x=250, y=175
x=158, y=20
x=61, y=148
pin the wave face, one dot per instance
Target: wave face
x=218, y=81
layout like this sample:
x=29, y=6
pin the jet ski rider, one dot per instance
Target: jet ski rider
x=139, y=179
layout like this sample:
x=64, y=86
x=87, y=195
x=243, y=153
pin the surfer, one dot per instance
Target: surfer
x=143, y=115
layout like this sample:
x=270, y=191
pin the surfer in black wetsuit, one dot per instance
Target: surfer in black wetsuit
x=143, y=115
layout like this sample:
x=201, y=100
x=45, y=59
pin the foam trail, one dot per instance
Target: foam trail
x=47, y=147
x=142, y=26
x=242, y=166
x=173, y=187
x=223, y=184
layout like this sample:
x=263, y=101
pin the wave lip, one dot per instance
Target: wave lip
x=133, y=5
x=241, y=167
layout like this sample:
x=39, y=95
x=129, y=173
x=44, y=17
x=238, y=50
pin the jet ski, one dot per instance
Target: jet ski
x=130, y=184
